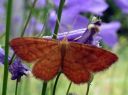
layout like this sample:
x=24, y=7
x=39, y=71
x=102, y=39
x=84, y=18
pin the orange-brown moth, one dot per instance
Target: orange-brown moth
x=77, y=61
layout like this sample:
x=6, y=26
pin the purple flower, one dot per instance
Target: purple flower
x=68, y=22
x=108, y=32
x=17, y=69
x=71, y=18
x=71, y=13
x=92, y=6
x=123, y=5
x=87, y=36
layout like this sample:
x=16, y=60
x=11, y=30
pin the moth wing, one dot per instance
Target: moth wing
x=31, y=49
x=81, y=58
x=75, y=72
x=46, y=68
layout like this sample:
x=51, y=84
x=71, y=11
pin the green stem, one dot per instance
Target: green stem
x=88, y=84
x=8, y=28
x=16, y=89
x=29, y=17
x=56, y=81
x=44, y=88
x=61, y=5
x=12, y=59
x=88, y=87
x=20, y=87
x=68, y=88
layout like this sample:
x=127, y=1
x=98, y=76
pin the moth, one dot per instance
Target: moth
x=77, y=61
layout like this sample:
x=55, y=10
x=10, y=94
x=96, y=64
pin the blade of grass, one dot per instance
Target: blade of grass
x=88, y=84
x=8, y=28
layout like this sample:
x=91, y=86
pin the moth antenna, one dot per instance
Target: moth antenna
x=69, y=27
x=57, y=20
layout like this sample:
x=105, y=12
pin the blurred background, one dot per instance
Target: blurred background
x=76, y=15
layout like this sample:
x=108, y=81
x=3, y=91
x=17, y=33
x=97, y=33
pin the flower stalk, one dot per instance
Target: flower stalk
x=69, y=87
x=44, y=88
x=55, y=85
x=61, y=5
x=16, y=89
x=8, y=28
